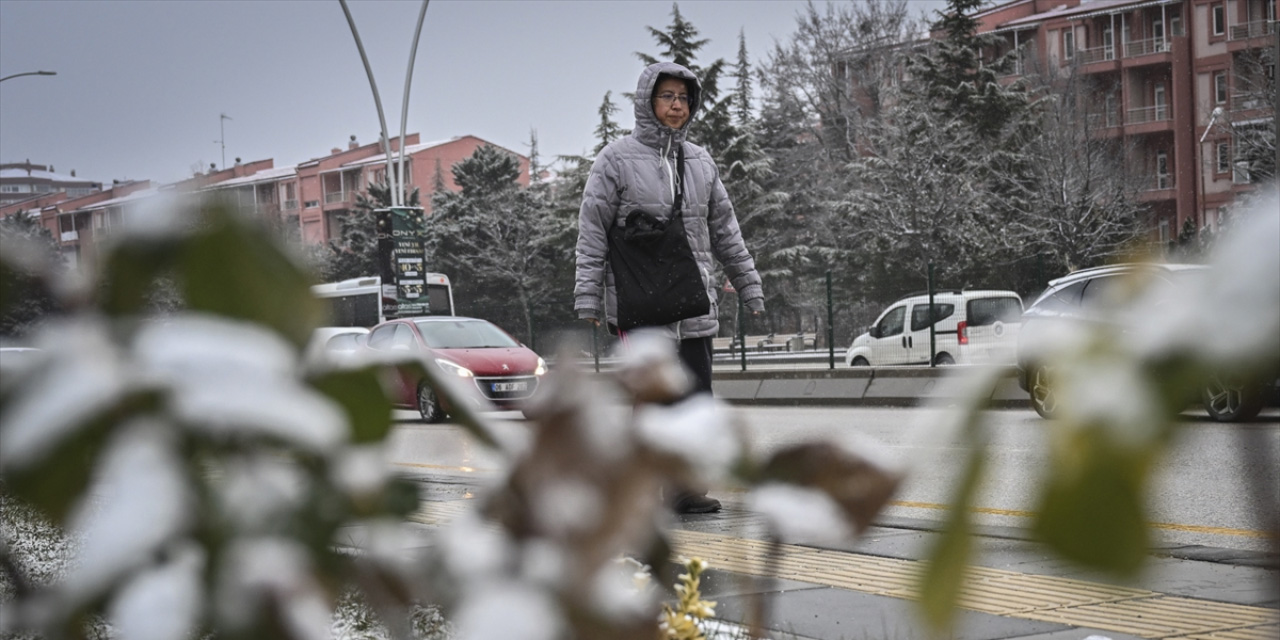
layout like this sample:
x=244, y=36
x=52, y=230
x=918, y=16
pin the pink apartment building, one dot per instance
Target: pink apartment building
x=312, y=196
x=1179, y=79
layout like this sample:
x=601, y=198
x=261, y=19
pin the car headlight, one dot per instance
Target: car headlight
x=454, y=368
x=541, y=368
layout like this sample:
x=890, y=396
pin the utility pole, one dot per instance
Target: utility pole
x=222, y=137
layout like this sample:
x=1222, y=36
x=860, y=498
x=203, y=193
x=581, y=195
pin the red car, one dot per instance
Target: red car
x=504, y=371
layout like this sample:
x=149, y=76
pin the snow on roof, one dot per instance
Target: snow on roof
x=409, y=150
x=267, y=175
x=1088, y=9
x=136, y=195
x=39, y=174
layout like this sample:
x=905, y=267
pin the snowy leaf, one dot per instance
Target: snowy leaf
x=164, y=603
x=508, y=611
x=697, y=430
x=798, y=514
x=141, y=501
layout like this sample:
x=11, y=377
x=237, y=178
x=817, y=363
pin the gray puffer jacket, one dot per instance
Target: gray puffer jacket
x=638, y=172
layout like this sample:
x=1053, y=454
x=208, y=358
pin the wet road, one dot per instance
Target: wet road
x=1200, y=493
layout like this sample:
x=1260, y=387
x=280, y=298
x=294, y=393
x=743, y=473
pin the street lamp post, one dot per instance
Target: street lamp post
x=1201, y=217
x=30, y=73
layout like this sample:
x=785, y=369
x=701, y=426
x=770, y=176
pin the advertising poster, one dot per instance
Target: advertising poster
x=402, y=261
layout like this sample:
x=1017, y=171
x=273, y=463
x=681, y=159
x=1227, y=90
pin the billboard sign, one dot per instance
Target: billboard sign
x=401, y=254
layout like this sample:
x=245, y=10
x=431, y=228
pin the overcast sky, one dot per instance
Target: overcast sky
x=141, y=85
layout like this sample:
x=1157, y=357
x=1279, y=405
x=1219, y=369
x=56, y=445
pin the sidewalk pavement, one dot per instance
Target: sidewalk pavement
x=863, y=590
x=1017, y=589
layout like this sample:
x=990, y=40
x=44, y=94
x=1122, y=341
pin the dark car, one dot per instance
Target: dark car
x=475, y=351
x=1098, y=296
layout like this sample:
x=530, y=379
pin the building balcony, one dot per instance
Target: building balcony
x=1146, y=47
x=1096, y=54
x=69, y=236
x=1248, y=30
x=337, y=197
x=1100, y=122
x=1159, y=186
x=1144, y=115
x=1241, y=102
x=290, y=205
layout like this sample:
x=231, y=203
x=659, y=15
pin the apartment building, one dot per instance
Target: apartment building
x=22, y=181
x=1182, y=81
x=311, y=197
x=315, y=195
x=76, y=222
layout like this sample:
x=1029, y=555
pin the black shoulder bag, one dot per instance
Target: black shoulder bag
x=657, y=278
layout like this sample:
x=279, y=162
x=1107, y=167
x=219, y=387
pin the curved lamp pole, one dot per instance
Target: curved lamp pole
x=395, y=182
x=30, y=73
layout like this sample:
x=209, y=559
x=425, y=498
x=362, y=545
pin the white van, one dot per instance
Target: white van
x=972, y=327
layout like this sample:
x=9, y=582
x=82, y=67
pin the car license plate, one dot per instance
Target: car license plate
x=510, y=386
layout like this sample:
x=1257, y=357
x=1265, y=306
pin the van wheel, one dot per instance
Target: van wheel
x=1232, y=401
x=1044, y=399
x=859, y=362
x=944, y=359
x=429, y=405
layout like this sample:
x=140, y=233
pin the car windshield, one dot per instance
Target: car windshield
x=464, y=334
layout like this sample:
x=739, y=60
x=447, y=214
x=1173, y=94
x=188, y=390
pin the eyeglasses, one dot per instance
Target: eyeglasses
x=669, y=97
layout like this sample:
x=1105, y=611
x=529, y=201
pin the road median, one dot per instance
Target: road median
x=881, y=386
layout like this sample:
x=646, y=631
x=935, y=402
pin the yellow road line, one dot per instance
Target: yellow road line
x=1190, y=528
x=1015, y=513
x=1001, y=592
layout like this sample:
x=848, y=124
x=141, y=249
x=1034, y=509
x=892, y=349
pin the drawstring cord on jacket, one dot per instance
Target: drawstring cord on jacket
x=666, y=162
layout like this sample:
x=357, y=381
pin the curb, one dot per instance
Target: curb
x=883, y=386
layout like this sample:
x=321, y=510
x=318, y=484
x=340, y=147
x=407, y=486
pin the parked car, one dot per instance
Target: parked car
x=970, y=327
x=1100, y=296
x=498, y=367
x=334, y=344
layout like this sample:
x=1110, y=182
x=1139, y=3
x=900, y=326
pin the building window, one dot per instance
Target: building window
x=1175, y=25
x=1068, y=44
x=1220, y=87
x=9, y=188
x=1162, y=170
x=311, y=204
x=1224, y=157
x=1219, y=19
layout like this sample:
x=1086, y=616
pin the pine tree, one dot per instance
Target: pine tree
x=955, y=77
x=26, y=297
x=501, y=244
x=679, y=43
x=741, y=97
x=607, y=130
x=354, y=253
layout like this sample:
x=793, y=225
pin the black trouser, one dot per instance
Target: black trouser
x=695, y=353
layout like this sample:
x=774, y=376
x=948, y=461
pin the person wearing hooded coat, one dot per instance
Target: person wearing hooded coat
x=639, y=172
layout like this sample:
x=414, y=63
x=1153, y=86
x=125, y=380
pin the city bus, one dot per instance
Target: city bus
x=358, y=302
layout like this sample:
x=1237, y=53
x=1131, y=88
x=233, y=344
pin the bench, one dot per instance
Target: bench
x=729, y=344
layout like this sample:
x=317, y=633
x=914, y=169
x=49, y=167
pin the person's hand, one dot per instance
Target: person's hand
x=593, y=321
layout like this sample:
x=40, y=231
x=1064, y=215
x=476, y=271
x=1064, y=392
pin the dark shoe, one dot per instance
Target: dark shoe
x=694, y=503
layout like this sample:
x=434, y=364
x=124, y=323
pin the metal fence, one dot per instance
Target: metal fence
x=927, y=328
